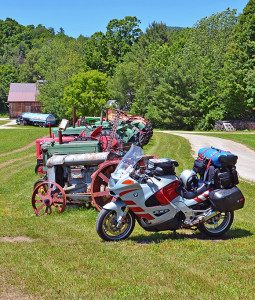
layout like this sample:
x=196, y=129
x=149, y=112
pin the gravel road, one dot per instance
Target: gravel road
x=246, y=156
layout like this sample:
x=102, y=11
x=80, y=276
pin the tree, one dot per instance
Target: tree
x=95, y=52
x=55, y=62
x=121, y=35
x=61, y=31
x=88, y=92
x=237, y=84
x=16, y=40
x=172, y=76
x=8, y=74
x=178, y=77
x=158, y=33
x=124, y=84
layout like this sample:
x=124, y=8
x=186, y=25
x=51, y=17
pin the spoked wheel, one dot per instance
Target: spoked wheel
x=39, y=181
x=107, y=227
x=218, y=225
x=99, y=186
x=47, y=197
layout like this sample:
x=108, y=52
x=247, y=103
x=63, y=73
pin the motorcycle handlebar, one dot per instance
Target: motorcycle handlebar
x=148, y=174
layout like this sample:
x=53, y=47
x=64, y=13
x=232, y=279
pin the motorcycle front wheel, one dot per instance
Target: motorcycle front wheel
x=218, y=225
x=107, y=228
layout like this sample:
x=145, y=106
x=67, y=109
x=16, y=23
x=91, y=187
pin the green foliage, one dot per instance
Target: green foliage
x=55, y=62
x=173, y=76
x=8, y=74
x=237, y=83
x=178, y=77
x=121, y=35
x=88, y=92
x=103, y=51
x=16, y=40
x=37, y=53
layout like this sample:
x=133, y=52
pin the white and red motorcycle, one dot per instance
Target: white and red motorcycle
x=147, y=190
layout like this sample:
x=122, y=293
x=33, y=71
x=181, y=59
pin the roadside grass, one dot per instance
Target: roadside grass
x=67, y=260
x=174, y=147
x=244, y=138
x=3, y=122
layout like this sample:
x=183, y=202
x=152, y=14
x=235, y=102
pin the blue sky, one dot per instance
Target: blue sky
x=88, y=16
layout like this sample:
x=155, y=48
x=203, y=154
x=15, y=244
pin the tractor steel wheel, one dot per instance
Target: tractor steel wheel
x=99, y=186
x=39, y=181
x=48, y=197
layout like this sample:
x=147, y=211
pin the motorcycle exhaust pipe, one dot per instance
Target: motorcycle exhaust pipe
x=202, y=219
x=210, y=216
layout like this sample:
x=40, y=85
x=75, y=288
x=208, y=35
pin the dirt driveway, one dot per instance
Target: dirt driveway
x=9, y=124
x=246, y=156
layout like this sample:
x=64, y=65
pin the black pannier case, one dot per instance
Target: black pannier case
x=166, y=164
x=227, y=199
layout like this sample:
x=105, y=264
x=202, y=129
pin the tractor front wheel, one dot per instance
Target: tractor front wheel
x=47, y=197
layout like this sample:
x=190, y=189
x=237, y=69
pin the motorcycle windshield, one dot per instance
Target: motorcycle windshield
x=128, y=162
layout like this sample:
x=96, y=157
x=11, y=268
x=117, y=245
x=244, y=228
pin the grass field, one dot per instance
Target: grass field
x=13, y=139
x=65, y=259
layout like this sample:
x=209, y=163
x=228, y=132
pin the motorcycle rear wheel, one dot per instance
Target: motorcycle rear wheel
x=218, y=225
x=107, y=229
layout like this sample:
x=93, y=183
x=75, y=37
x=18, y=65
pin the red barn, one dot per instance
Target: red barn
x=23, y=98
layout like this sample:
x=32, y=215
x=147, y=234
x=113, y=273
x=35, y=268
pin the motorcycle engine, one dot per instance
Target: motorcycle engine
x=80, y=178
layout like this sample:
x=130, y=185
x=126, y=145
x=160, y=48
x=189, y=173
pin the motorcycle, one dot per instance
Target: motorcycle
x=148, y=191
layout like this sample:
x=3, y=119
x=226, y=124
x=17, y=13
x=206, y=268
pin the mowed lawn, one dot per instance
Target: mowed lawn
x=65, y=259
x=245, y=138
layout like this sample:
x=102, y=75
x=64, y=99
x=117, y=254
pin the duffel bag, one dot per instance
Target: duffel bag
x=218, y=158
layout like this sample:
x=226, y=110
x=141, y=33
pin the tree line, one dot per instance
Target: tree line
x=179, y=78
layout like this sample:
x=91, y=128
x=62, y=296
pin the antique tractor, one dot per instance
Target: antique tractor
x=75, y=179
x=127, y=130
x=76, y=169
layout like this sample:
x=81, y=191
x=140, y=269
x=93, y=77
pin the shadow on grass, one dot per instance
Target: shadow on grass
x=159, y=237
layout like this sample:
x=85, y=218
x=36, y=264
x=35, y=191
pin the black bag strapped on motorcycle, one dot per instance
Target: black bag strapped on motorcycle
x=229, y=160
x=226, y=178
x=166, y=164
x=225, y=200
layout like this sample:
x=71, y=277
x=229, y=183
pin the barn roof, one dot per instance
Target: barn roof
x=22, y=92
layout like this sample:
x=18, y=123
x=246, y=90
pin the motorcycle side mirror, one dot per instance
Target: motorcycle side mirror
x=159, y=171
x=176, y=164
